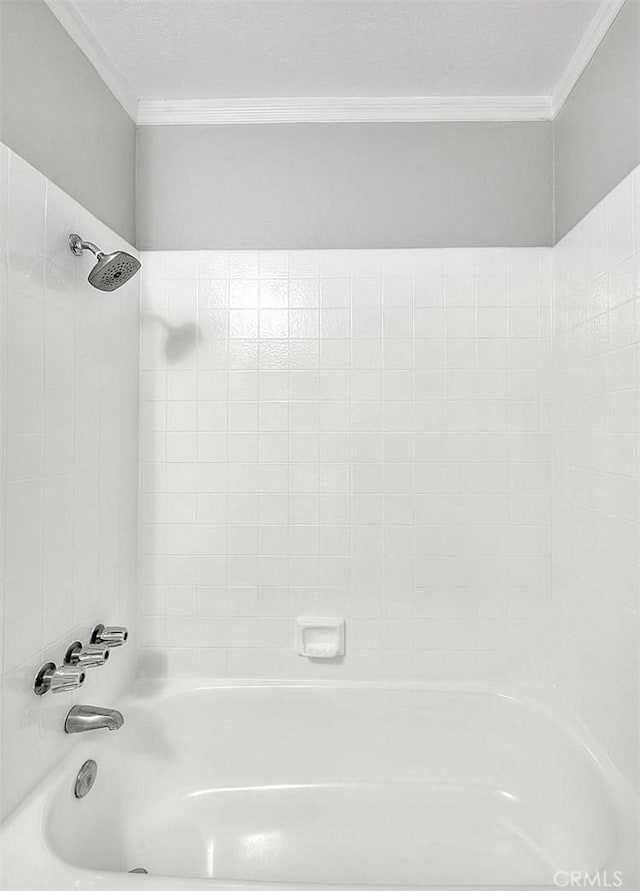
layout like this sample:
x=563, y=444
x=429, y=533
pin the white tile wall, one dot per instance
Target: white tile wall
x=353, y=433
x=69, y=435
x=596, y=469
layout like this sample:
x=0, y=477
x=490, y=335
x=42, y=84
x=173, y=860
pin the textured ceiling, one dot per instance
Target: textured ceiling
x=205, y=49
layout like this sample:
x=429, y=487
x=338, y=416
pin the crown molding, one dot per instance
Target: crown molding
x=81, y=34
x=358, y=109
x=583, y=53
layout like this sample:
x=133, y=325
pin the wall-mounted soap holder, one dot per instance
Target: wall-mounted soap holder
x=320, y=637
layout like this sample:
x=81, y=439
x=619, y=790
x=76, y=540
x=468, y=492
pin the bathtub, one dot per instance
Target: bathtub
x=289, y=784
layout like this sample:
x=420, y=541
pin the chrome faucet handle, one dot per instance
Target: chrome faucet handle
x=58, y=680
x=109, y=635
x=91, y=656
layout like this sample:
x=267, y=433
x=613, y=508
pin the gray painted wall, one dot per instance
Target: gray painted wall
x=57, y=114
x=597, y=132
x=344, y=185
x=314, y=186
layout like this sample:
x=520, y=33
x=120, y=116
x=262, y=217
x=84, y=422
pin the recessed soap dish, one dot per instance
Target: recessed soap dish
x=320, y=637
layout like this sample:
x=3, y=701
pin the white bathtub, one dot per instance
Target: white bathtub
x=337, y=784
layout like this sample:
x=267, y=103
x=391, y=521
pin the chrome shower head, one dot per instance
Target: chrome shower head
x=111, y=271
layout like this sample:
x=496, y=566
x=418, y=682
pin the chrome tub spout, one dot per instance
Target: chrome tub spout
x=82, y=718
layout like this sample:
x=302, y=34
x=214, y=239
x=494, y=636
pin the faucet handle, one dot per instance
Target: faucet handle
x=91, y=656
x=109, y=635
x=58, y=680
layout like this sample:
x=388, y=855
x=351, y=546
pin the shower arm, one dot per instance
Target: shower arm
x=77, y=246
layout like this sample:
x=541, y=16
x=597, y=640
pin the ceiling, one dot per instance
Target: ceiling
x=215, y=51
x=204, y=49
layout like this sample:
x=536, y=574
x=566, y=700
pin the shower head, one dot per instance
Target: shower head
x=111, y=271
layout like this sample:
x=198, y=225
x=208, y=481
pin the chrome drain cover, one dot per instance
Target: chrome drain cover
x=86, y=778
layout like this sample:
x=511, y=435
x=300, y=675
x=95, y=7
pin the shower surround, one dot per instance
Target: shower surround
x=69, y=377
x=346, y=433
x=596, y=470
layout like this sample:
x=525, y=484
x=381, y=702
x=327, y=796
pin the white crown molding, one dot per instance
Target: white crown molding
x=359, y=109
x=77, y=29
x=583, y=53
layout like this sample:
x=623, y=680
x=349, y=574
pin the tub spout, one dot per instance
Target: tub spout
x=82, y=718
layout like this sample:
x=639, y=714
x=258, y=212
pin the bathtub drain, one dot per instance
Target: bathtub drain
x=141, y=870
x=86, y=778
